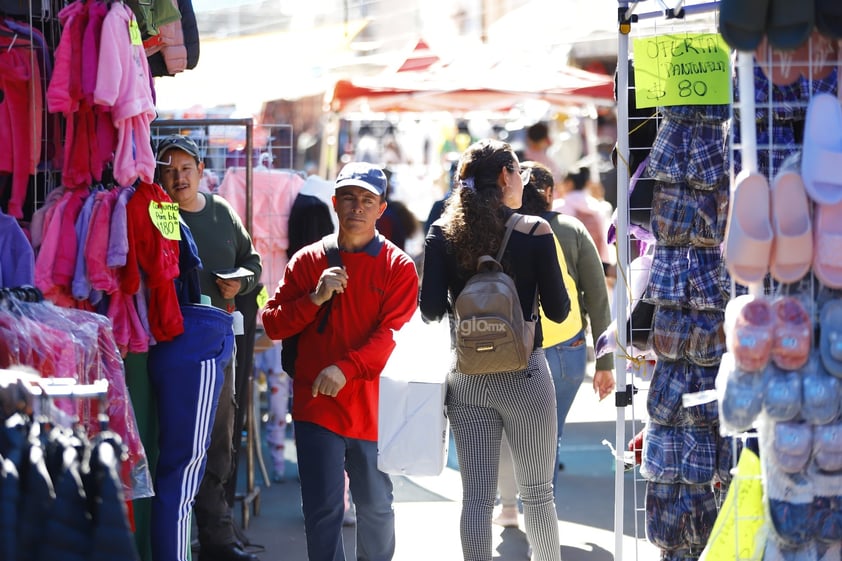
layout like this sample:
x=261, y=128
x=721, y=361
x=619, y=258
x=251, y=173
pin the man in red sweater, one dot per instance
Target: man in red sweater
x=337, y=369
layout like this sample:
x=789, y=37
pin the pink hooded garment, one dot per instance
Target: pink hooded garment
x=64, y=95
x=21, y=144
x=123, y=83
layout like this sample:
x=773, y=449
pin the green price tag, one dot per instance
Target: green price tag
x=165, y=217
x=134, y=33
x=688, y=69
x=262, y=297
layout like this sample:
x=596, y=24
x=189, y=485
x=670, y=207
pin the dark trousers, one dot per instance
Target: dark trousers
x=323, y=459
x=247, y=305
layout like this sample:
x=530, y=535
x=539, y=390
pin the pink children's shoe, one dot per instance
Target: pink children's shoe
x=753, y=333
x=793, y=334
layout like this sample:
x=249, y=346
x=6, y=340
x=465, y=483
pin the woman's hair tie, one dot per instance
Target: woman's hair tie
x=467, y=183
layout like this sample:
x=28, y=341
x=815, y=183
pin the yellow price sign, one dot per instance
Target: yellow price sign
x=737, y=533
x=134, y=33
x=165, y=218
x=262, y=297
x=687, y=69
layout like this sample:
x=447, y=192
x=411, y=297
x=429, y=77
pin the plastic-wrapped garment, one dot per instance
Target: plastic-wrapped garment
x=69, y=343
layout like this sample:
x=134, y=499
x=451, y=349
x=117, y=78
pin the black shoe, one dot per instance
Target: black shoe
x=225, y=552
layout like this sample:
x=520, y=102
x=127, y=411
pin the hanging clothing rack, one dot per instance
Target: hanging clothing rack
x=625, y=387
x=35, y=386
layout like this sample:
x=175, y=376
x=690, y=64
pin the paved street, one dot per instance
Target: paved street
x=427, y=509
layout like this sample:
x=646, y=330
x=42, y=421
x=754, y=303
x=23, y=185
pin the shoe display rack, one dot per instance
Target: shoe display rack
x=737, y=205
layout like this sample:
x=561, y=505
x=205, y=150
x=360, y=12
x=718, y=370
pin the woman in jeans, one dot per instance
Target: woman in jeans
x=519, y=403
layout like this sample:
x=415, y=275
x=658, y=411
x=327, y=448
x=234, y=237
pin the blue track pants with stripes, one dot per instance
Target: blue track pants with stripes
x=186, y=375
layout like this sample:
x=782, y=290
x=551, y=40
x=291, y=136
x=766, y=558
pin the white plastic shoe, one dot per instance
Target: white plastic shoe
x=507, y=518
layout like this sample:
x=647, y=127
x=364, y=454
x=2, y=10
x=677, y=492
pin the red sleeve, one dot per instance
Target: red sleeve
x=290, y=309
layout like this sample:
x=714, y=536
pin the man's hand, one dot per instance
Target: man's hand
x=229, y=288
x=329, y=381
x=603, y=383
x=333, y=281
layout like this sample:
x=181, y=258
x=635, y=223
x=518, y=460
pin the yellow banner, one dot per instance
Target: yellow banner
x=687, y=69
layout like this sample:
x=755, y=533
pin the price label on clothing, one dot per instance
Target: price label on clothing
x=262, y=297
x=685, y=69
x=134, y=33
x=165, y=217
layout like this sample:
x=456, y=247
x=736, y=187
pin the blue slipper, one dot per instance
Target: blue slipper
x=829, y=18
x=742, y=23
x=790, y=23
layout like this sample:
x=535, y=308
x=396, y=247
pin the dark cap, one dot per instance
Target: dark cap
x=365, y=175
x=180, y=142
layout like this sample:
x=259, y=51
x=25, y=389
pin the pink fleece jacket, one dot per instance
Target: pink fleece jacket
x=65, y=95
x=123, y=84
x=273, y=193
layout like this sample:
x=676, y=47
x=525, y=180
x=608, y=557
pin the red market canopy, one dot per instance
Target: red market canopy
x=464, y=85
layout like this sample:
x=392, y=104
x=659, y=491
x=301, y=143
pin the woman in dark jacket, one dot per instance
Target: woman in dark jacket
x=520, y=403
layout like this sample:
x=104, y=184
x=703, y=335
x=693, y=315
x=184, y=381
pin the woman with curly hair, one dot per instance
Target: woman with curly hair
x=520, y=403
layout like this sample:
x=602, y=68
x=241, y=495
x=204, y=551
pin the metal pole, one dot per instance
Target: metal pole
x=249, y=174
x=620, y=296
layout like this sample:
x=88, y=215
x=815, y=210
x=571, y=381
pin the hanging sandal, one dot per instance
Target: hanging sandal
x=748, y=237
x=829, y=18
x=792, y=249
x=790, y=23
x=828, y=244
x=821, y=156
x=742, y=23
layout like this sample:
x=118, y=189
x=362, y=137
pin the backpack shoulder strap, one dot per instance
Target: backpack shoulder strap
x=331, y=246
x=334, y=259
x=510, y=225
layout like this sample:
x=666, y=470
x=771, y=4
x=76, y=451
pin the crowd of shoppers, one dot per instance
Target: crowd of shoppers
x=341, y=298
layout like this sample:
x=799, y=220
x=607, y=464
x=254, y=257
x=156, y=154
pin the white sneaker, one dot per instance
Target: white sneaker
x=507, y=518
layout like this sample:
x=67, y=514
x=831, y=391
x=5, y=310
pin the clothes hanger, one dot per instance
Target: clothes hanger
x=264, y=161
